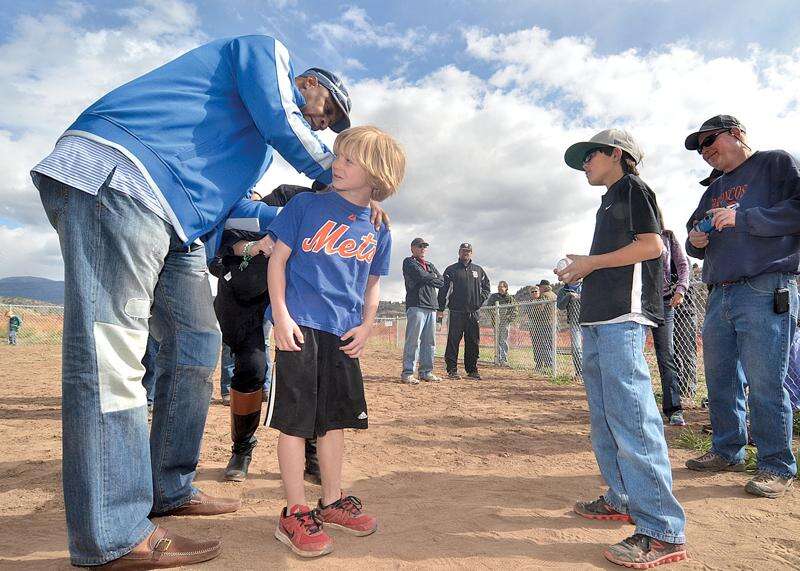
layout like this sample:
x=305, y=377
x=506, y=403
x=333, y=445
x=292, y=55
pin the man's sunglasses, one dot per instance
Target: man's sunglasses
x=710, y=140
x=590, y=154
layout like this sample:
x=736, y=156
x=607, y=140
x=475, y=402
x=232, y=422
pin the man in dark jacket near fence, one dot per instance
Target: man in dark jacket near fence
x=470, y=289
x=422, y=283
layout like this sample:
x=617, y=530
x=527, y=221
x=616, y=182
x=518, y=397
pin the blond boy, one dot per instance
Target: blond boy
x=324, y=287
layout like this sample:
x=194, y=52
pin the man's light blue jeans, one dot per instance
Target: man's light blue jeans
x=741, y=327
x=119, y=260
x=420, y=340
x=627, y=431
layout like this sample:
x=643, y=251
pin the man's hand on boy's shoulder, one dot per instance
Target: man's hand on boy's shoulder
x=358, y=340
x=288, y=336
x=378, y=216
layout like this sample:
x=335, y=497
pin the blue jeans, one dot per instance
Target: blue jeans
x=226, y=371
x=665, y=356
x=742, y=328
x=627, y=432
x=12, y=337
x=420, y=340
x=149, y=364
x=119, y=260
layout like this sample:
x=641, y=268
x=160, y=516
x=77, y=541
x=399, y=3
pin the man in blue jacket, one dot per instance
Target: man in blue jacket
x=130, y=187
x=752, y=258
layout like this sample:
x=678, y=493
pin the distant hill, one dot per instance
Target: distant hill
x=28, y=287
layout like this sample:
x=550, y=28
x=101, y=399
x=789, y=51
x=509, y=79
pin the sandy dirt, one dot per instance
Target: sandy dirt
x=462, y=474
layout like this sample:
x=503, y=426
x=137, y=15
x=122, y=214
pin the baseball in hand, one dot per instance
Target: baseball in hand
x=563, y=263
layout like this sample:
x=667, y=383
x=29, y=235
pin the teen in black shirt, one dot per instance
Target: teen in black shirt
x=622, y=289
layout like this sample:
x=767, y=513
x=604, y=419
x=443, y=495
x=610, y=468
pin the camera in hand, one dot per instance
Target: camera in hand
x=706, y=225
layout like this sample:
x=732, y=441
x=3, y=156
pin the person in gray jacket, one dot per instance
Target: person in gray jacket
x=422, y=283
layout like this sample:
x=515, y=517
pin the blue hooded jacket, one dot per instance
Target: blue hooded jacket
x=202, y=127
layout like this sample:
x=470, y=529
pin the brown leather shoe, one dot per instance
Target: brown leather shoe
x=164, y=549
x=203, y=504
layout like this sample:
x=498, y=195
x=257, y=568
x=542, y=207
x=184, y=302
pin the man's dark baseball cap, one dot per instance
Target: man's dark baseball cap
x=715, y=174
x=419, y=242
x=544, y=282
x=332, y=83
x=716, y=123
x=465, y=246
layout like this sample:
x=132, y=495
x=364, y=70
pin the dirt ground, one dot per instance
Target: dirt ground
x=462, y=474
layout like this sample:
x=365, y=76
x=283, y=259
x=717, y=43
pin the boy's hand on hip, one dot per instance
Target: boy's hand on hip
x=358, y=340
x=288, y=336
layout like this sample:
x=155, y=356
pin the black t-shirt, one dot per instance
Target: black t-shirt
x=627, y=209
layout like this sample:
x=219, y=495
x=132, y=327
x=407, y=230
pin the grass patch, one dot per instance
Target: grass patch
x=561, y=380
x=701, y=443
x=796, y=423
x=691, y=440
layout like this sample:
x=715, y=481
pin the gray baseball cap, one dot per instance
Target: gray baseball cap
x=341, y=97
x=616, y=138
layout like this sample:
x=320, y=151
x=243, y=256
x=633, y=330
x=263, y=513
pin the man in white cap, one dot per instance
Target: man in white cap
x=622, y=286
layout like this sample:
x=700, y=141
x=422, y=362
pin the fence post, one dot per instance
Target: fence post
x=554, y=320
x=496, y=332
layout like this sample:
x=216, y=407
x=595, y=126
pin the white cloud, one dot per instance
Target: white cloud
x=53, y=66
x=355, y=27
x=485, y=147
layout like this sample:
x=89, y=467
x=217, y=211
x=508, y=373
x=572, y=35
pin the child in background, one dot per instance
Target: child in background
x=324, y=287
x=14, y=323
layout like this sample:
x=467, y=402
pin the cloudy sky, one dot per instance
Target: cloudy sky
x=484, y=95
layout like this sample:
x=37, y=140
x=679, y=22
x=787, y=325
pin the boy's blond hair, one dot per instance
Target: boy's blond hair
x=378, y=154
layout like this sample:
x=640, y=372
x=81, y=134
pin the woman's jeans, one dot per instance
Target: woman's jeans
x=665, y=356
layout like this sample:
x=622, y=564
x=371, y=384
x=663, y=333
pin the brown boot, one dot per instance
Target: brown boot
x=162, y=549
x=245, y=416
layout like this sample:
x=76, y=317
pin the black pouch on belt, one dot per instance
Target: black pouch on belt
x=781, y=300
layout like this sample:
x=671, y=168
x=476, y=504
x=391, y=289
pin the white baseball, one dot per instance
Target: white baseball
x=563, y=263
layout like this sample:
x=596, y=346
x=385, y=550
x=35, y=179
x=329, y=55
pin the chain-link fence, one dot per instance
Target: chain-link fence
x=31, y=324
x=545, y=336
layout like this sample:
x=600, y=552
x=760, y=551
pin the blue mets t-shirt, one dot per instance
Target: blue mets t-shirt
x=335, y=248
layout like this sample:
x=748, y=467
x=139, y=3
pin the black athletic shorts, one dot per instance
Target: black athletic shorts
x=317, y=389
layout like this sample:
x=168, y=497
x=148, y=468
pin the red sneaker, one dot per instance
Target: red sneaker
x=345, y=513
x=300, y=529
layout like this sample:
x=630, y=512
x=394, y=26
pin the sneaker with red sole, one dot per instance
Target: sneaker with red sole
x=300, y=529
x=599, y=509
x=345, y=513
x=643, y=552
